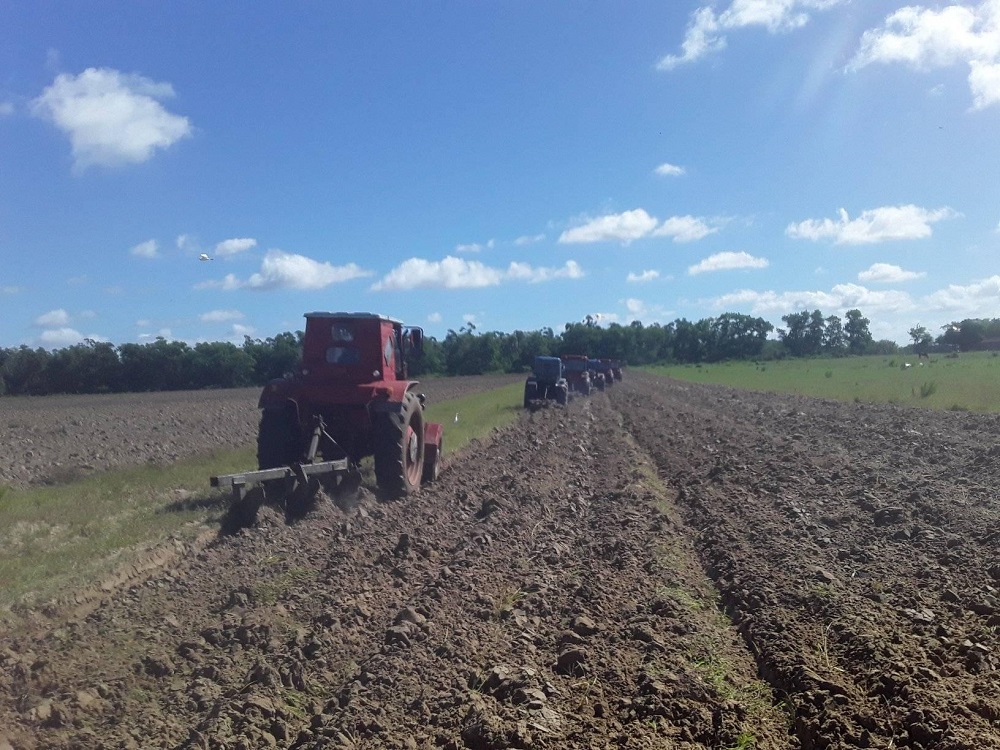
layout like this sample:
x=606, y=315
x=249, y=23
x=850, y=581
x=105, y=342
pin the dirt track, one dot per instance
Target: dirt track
x=556, y=589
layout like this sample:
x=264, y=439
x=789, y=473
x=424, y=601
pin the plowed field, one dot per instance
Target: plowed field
x=658, y=566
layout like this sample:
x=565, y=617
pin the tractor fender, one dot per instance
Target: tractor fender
x=275, y=394
x=433, y=432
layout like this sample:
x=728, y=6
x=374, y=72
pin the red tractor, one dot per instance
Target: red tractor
x=351, y=398
x=577, y=373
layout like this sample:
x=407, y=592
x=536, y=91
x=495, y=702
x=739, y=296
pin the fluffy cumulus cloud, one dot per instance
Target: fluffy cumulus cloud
x=111, y=118
x=458, y=273
x=978, y=299
x=52, y=318
x=727, y=261
x=886, y=273
x=240, y=330
x=639, y=278
x=220, y=316
x=147, y=249
x=877, y=225
x=636, y=224
x=281, y=270
x=669, y=170
x=434, y=317
x=66, y=336
x=685, y=229
x=839, y=299
x=926, y=38
x=706, y=31
x=235, y=246
x=623, y=227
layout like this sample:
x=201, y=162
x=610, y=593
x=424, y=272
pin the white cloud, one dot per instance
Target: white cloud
x=221, y=316
x=187, y=244
x=623, y=227
x=458, y=273
x=450, y=273
x=86, y=315
x=978, y=299
x=604, y=317
x=876, y=225
x=927, y=38
x=638, y=278
x=111, y=118
x=10, y=289
x=61, y=337
x=706, y=31
x=529, y=239
x=840, y=298
x=78, y=280
x=670, y=170
x=143, y=323
x=235, y=246
x=53, y=318
x=475, y=247
x=240, y=330
x=886, y=273
x=147, y=249
x=727, y=261
x=163, y=333
x=6, y=109
x=281, y=270
x=637, y=309
x=434, y=317
x=538, y=274
x=685, y=229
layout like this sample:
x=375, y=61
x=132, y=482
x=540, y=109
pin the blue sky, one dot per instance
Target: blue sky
x=514, y=164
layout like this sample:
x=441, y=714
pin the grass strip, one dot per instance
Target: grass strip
x=970, y=382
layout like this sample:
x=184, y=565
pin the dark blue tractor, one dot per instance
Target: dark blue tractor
x=546, y=382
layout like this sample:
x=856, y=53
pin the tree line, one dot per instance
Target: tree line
x=101, y=367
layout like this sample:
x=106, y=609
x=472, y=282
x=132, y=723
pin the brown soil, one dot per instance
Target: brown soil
x=558, y=588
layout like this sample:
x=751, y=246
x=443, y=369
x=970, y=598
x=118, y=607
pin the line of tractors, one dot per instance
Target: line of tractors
x=559, y=378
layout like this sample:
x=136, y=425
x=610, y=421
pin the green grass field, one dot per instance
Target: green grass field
x=970, y=382
x=55, y=539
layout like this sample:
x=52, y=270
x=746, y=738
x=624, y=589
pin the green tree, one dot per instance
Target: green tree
x=834, y=339
x=859, y=337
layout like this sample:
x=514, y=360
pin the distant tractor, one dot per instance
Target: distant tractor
x=577, y=373
x=597, y=378
x=350, y=398
x=603, y=367
x=616, y=369
x=546, y=383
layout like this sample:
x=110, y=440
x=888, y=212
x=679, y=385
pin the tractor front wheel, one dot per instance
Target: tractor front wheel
x=399, y=448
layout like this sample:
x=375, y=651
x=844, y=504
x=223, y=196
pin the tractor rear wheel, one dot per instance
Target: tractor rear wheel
x=399, y=448
x=530, y=394
x=279, y=442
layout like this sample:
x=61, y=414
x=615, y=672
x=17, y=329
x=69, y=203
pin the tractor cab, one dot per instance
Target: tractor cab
x=357, y=347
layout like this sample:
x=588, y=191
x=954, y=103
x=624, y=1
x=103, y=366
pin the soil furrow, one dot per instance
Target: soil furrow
x=852, y=546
